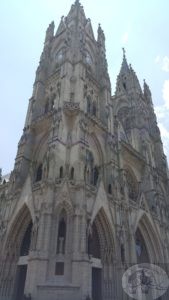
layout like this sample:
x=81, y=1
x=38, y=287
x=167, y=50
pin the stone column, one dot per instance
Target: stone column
x=38, y=258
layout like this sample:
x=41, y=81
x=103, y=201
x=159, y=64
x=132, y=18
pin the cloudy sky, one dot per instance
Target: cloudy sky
x=141, y=26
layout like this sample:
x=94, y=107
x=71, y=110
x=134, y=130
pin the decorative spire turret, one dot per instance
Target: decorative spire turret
x=62, y=26
x=124, y=66
x=50, y=32
x=77, y=12
x=134, y=80
x=100, y=37
x=127, y=80
x=102, y=61
x=147, y=92
x=77, y=2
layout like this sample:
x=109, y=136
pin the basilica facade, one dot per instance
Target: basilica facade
x=88, y=195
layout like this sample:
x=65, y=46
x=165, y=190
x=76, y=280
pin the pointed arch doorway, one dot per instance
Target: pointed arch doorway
x=101, y=251
x=148, y=251
x=14, y=269
x=148, y=247
x=22, y=264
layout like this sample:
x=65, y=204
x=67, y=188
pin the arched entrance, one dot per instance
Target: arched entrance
x=101, y=252
x=148, y=246
x=148, y=253
x=15, y=258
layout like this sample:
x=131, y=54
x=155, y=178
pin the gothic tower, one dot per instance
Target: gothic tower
x=88, y=194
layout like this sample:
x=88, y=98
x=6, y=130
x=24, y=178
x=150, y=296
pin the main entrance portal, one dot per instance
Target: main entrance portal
x=20, y=284
x=96, y=284
x=14, y=269
x=100, y=249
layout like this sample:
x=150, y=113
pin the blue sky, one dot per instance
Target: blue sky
x=141, y=26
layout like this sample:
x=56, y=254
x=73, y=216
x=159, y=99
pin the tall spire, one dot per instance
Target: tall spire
x=50, y=31
x=77, y=2
x=147, y=93
x=127, y=79
x=77, y=11
x=101, y=36
x=124, y=66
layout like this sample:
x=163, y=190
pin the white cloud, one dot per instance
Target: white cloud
x=160, y=111
x=164, y=131
x=166, y=93
x=165, y=138
x=125, y=38
x=165, y=64
x=157, y=59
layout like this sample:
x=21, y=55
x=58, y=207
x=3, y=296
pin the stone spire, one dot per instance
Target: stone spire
x=76, y=12
x=100, y=37
x=62, y=26
x=127, y=80
x=147, y=92
x=124, y=66
x=134, y=80
x=50, y=32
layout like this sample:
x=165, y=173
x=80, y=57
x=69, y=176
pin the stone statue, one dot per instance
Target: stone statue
x=35, y=230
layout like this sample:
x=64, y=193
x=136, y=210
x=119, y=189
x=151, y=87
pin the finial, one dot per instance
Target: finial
x=50, y=31
x=77, y=2
x=124, y=52
x=144, y=83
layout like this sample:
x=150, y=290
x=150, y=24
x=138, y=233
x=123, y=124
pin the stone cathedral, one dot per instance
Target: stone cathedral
x=88, y=195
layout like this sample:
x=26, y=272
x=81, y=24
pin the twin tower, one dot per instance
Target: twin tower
x=88, y=196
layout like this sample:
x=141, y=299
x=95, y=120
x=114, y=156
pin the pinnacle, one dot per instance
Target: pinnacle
x=77, y=2
x=76, y=10
x=124, y=66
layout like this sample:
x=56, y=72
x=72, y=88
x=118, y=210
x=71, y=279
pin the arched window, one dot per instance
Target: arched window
x=25, y=245
x=88, y=104
x=47, y=106
x=122, y=249
x=132, y=186
x=39, y=173
x=94, y=243
x=61, y=234
x=94, y=108
x=61, y=172
x=52, y=104
x=87, y=174
x=110, y=189
x=95, y=176
x=124, y=85
x=72, y=171
x=141, y=249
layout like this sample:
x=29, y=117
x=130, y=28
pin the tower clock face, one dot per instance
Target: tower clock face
x=59, y=56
